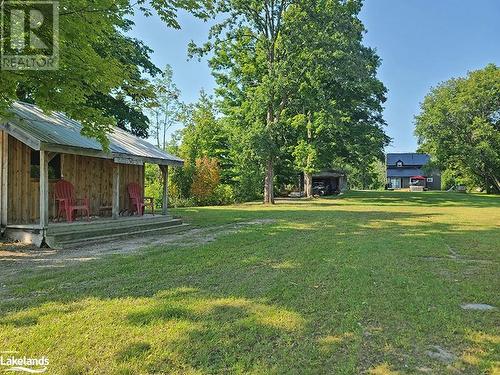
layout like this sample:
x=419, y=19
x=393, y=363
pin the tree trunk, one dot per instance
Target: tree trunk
x=308, y=185
x=269, y=183
x=165, y=128
x=308, y=176
x=496, y=184
x=157, y=128
x=269, y=178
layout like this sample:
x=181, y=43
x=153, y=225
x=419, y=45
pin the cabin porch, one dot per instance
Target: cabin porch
x=80, y=232
x=29, y=207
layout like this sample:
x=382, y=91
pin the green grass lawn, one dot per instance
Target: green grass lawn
x=364, y=283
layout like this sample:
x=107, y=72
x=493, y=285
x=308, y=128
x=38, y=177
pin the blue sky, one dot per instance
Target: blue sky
x=421, y=43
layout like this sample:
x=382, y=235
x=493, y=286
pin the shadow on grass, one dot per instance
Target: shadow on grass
x=159, y=314
x=133, y=351
x=273, y=298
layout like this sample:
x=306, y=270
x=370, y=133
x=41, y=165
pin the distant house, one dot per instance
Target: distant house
x=406, y=169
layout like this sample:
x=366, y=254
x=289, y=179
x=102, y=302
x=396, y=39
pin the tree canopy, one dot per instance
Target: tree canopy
x=297, y=86
x=99, y=77
x=338, y=104
x=166, y=110
x=459, y=125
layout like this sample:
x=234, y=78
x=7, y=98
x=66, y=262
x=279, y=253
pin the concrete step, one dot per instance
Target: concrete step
x=56, y=242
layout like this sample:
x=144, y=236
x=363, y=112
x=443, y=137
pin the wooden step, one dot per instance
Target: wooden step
x=64, y=235
x=60, y=228
x=56, y=244
x=109, y=229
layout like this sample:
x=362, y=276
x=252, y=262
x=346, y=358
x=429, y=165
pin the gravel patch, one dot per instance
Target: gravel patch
x=440, y=354
x=477, y=306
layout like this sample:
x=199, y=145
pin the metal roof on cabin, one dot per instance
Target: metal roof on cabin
x=59, y=129
x=407, y=159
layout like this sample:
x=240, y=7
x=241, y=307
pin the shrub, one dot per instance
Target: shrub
x=181, y=180
x=193, y=185
x=206, y=179
x=153, y=183
x=223, y=195
x=248, y=184
x=178, y=202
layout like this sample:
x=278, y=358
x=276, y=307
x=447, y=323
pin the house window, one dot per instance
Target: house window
x=430, y=179
x=54, y=166
x=399, y=164
x=395, y=183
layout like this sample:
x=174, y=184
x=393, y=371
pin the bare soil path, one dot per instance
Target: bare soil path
x=14, y=257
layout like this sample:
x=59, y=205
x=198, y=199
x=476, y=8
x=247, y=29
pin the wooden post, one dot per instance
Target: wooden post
x=1, y=178
x=4, y=171
x=164, y=173
x=44, y=189
x=115, y=211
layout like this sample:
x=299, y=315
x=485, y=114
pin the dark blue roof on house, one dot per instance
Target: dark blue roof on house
x=404, y=172
x=408, y=159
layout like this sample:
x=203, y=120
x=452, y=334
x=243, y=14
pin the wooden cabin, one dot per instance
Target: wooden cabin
x=38, y=149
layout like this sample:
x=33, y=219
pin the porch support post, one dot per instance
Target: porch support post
x=44, y=189
x=164, y=173
x=5, y=175
x=115, y=210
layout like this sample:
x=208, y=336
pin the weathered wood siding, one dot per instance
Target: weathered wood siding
x=23, y=195
x=92, y=177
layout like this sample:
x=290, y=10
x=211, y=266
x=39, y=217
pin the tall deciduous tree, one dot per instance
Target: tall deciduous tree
x=248, y=65
x=339, y=99
x=459, y=125
x=167, y=109
x=205, y=136
x=294, y=75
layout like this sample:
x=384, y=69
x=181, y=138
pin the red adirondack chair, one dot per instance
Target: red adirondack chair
x=138, y=201
x=66, y=201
